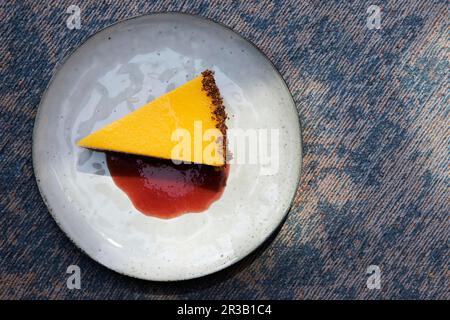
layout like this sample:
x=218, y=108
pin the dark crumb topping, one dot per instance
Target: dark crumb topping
x=218, y=109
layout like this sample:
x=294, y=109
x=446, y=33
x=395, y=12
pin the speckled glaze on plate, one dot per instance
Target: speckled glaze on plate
x=116, y=71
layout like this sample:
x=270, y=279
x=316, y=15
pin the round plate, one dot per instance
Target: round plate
x=120, y=69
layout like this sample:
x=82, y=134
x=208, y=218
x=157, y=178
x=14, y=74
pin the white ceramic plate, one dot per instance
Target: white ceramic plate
x=121, y=68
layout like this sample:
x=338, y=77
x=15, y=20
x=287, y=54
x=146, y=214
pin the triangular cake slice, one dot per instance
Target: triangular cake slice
x=195, y=108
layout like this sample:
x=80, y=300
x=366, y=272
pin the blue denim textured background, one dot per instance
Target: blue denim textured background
x=374, y=190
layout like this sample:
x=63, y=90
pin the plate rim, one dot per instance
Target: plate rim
x=57, y=69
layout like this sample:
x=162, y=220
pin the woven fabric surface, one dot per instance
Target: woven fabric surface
x=373, y=104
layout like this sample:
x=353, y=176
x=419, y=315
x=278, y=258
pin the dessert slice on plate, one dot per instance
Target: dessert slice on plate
x=186, y=124
x=168, y=156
